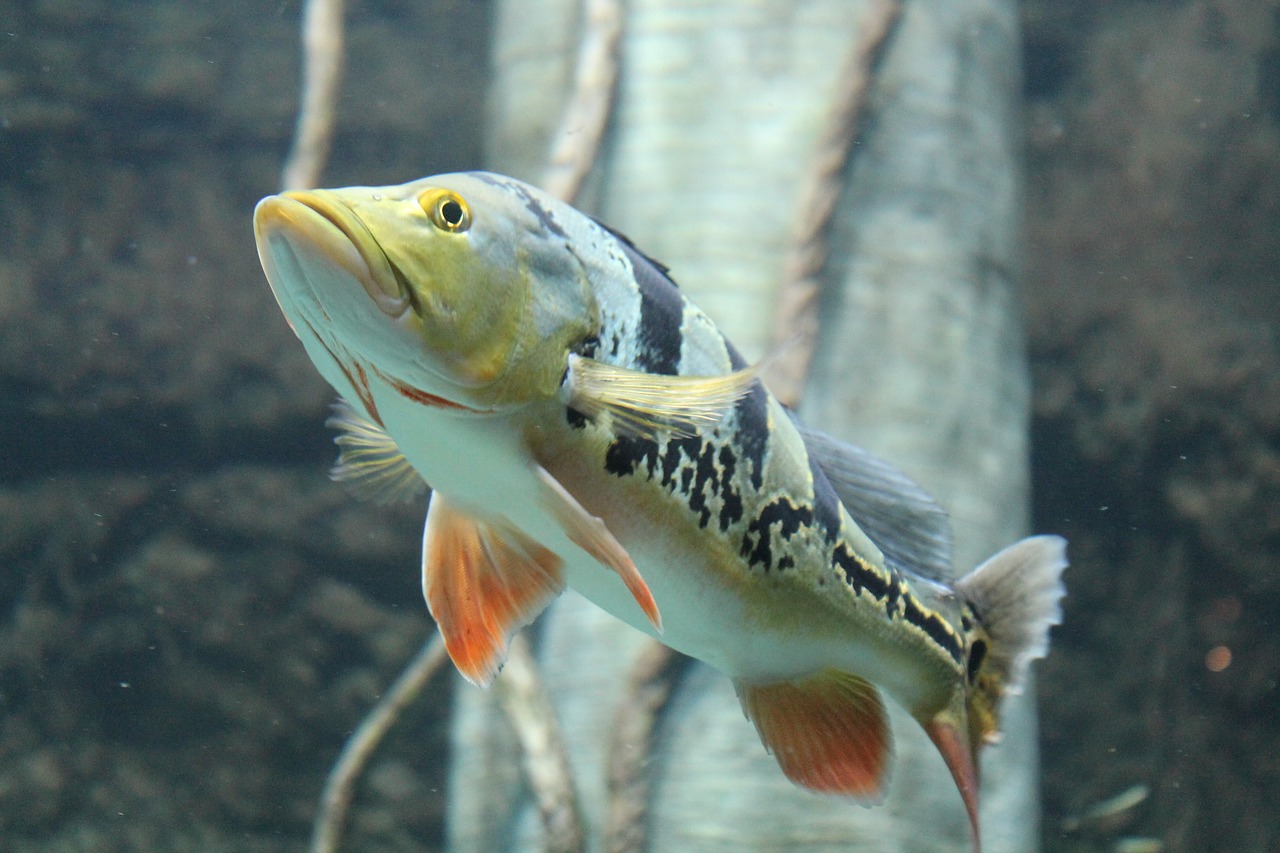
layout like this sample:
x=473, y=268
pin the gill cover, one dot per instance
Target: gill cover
x=475, y=283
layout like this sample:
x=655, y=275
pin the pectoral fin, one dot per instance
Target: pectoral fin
x=828, y=731
x=591, y=535
x=644, y=404
x=369, y=462
x=483, y=582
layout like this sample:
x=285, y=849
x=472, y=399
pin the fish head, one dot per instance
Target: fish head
x=453, y=286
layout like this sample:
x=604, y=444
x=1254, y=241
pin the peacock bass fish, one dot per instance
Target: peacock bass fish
x=581, y=423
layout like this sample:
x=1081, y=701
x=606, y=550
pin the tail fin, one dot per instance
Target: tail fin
x=1013, y=599
x=1010, y=602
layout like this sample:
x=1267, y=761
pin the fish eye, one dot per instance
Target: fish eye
x=446, y=210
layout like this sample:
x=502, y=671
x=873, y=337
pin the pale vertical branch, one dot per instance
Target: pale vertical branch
x=340, y=786
x=653, y=680
x=577, y=140
x=321, y=78
x=657, y=671
x=546, y=761
x=795, y=328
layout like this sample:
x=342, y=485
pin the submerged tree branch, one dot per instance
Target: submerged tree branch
x=796, y=318
x=340, y=786
x=321, y=78
x=546, y=760
x=652, y=682
x=577, y=140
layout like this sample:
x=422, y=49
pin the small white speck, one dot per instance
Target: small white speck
x=125, y=685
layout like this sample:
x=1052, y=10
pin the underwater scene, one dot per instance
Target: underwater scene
x=838, y=425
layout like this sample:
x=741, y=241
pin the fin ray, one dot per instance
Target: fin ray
x=483, y=582
x=908, y=526
x=1017, y=596
x=370, y=464
x=828, y=732
x=592, y=535
x=644, y=404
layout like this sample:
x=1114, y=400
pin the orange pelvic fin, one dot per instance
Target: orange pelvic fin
x=955, y=744
x=591, y=535
x=483, y=582
x=828, y=731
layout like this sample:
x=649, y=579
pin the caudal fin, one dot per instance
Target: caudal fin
x=1015, y=598
x=1011, y=601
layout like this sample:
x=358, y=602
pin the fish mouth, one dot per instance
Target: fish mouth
x=332, y=229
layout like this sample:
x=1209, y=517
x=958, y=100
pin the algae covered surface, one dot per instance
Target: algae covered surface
x=195, y=617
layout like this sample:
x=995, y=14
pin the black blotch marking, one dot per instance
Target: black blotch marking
x=895, y=592
x=752, y=434
x=576, y=419
x=858, y=575
x=627, y=456
x=977, y=654
x=730, y=500
x=661, y=315
x=757, y=545
x=826, y=503
x=933, y=625
x=688, y=466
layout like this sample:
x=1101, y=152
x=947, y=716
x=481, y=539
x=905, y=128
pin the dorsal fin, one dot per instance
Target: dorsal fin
x=911, y=530
x=370, y=464
x=627, y=241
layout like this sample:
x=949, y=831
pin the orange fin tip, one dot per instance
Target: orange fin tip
x=483, y=582
x=591, y=535
x=954, y=744
x=828, y=731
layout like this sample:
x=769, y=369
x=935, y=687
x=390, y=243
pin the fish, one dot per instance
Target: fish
x=581, y=423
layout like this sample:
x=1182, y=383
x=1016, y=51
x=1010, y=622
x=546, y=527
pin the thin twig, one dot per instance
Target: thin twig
x=652, y=682
x=796, y=328
x=340, y=786
x=546, y=760
x=321, y=76
x=577, y=140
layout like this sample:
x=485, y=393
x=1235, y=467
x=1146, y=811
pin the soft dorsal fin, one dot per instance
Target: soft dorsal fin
x=644, y=404
x=828, y=732
x=370, y=464
x=483, y=582
x=909, y=527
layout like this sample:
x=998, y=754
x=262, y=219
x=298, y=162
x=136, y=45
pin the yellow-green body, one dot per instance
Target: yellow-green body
x=504, y=342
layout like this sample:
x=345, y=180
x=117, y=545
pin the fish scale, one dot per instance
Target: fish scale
x=584, y=424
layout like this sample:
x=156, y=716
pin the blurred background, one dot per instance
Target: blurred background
x=193, y=616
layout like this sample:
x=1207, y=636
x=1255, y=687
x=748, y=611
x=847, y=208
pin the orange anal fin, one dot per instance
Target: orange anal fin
x=483, y=582
x=828, y=731
x=954, y=745
x=591, y=535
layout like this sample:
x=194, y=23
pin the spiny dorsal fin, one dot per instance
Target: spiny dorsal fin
x=645, y=404
x=911, y=530
x=370, y=464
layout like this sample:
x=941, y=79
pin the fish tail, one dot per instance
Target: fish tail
x=1011, y=600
